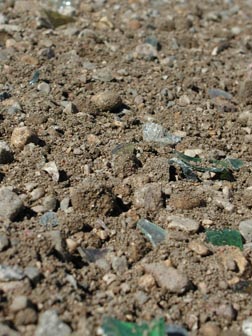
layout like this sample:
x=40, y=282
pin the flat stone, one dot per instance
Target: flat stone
x=8, y=273
x=50, y=325
x=10, y=204
x=168, y=278
x=19, y=303
x=149, y=197
x=184, y=224
x=245, y=228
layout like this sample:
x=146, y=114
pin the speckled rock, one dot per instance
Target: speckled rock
x=107, y=101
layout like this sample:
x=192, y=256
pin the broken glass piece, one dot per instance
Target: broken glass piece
x=56, y=19
x=153, y=232
x=153, y=132
x=35, y=78
x=224, y=237
x=114, y=327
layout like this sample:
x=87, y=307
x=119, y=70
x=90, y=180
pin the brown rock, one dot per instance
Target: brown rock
x=199, y=248
x=107, y=101
x=168, y=278
x=146, y=282
x=246, y=91
x=233, y=259
x=134, y=24
x=210, y=329
x=186, y=201
x=22, y=136
x=26, y=316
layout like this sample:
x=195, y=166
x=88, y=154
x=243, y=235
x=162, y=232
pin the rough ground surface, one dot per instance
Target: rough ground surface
x=98, y=85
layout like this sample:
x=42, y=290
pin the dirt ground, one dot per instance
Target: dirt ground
x=119, y=65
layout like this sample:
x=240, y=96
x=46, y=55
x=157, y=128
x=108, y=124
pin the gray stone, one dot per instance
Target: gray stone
x=103, y=75
x=184, y=224
x=44, y=88
x=19, y=303
x=247, y=327
x=70, y=108
x=10, y=204
x=5, y=330
x=49, y=219
x=33, y=273
x=64, y=204
x=120, y=264
x=6, y=155
x=9, y=273
x=149, y=197
x=168, y=278
x=37, y=193
x=153, y=132
x=50, y=325
x=145, y=51
x=4, y=241
x=50, y=203
x=245, y=228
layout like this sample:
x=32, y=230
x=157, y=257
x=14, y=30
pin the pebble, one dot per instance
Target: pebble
x=6, y=155
x=246, y=91
x=50, y=325
x=245, y=118
x=168, y=278
x=146, y=282
x=245, y=228
x=50, y=203
x=19, y=303
x=210, y=329
x=247, y=197
x=213, y=93
x=64, y=204
x=184, y=101
x=247, y=326
x=120, y=264
x=52, y=169
x=226, y=311
x=26, y=317
x=10, y=204
x=103, y=75
x=145, y=51
x=9, y=273
x=37, y=193
x=49, y=219
x=44, y=88
x=186, y=201
x=21, y=136
x=149, y=197
x=4, y=242
x=224, y=204
x=70, y=108
x=152, y=40
x=183, y=223
x=33, y=273
x=199, y=248
x=107, y=101
x=193, y=152
x=5, y=330
x=141, y=297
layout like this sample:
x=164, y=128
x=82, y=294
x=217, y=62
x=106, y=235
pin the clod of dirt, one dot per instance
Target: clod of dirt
x=107, y=101
x=149, y=197
x=186, y=201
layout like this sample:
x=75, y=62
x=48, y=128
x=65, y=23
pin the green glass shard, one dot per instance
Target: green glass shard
x=153, y=232
x=56, y=19
x=114, y=327
x=224, y=237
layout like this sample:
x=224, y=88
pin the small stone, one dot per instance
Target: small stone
x=5, y=330
x=193, y=152
x=186, y=201
x=141, y=297
x=6, y=155
x=44, y=88
x=19, y=303
x=245, y=228
x=33, y=273
x=247, y=326
x=184, y=101
x=49, y=219
x=199, y=248
x=134, y=24
x=146, y=282
x=10, y=204
x=26, y=317
x=70, y=108
x=213, y=93
x=50, y=325
x=52, y=169
x=120, y=264
x=145, y=51
x=21, y=136
x=50, y=203
x=152, y=40
x=103, y=75
x=37, y=193
x=4, y=242
x=227, y=311
x=210, y=329
x=224, y=204
x=107, y=101
x=8, y=273
x=109, y=278
x=168, y=278
x=149, y=197
x=246, y=92
x=232, y=257
x=64, y=204
x=184, y=224
x=247, y=197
